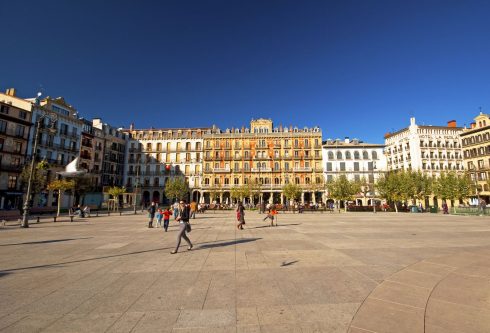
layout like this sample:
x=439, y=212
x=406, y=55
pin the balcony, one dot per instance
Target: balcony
x=261, y=169
x=221, y=170
x=302, y=169
x=11, y=168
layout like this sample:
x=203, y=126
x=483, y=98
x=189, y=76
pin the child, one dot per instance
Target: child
x=166, y=217
x=159, y=217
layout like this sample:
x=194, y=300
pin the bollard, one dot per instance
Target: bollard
x=37, y=220
x=71, y=218
x=54, y=218
x=97, y=214
x=120, y=213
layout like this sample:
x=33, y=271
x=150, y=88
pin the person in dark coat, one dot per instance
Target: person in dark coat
x=151, y=213
x=240, y=215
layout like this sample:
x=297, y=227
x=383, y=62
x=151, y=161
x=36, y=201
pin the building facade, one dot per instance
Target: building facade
x=15, y=124
x=358, y=161
x=268, y=156
x=476, y=154
x=430, y=149
x=156, y=155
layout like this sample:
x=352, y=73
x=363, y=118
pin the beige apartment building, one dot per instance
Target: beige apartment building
x=268, y=156
x=476, y=154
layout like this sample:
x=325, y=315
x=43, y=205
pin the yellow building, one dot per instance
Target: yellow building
x=267, y=156
x=476, y=155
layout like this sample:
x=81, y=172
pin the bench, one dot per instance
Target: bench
x=9, y=215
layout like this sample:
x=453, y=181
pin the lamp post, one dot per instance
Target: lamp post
x=52, y=118
x=374, y=193
x=136, y=183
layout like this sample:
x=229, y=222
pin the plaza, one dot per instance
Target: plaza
x=347, y=272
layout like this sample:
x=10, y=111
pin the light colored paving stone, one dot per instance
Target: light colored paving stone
x=309, y=274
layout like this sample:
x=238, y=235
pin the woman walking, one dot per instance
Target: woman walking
x=240, y=215
x=184, y=226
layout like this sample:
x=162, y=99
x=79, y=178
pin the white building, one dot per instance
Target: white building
x=156, y=155
x=356, y=160
x=429, y=149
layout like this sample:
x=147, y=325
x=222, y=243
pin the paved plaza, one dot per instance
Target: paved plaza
x=348, y=272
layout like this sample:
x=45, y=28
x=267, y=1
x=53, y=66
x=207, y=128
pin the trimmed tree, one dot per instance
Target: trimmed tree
x=291, y=191
x=61, y=185
x=389, y=188
x=176, y=188
x=38, y=176
x=342, y=189
x=115, y=192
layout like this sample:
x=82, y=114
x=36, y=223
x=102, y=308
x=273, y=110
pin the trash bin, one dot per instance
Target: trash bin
x=433, y=209
x=414, y=209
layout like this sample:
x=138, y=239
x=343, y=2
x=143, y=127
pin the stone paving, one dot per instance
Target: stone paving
x=348, y=272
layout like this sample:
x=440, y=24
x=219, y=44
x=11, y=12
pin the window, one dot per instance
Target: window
x=236, y=181
x=342, y=166
x=4, y=109
x=330, y=155
x=1, y=143
x=216, y=181
x=365, y=155
x=347, y=155
x=339, y=155
x=12, y=183
x=3, y=126
x=286, y=166
x=296, y=180
x=356, y=166
x=374, y=155
x=227, y=181
x=329, y=166
x=276, y=166
x=17, y=147
x=481, y=164
x=22, y=114
x=356, y=155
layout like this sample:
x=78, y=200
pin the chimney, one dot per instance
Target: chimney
x=451, y=123
x=473, y=125
x=387, y=135
x=412, y=121
x=346, y=139
x=10, y=92
x=131, y=127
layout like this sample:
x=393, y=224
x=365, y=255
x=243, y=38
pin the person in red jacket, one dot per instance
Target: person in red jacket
x=166, y=218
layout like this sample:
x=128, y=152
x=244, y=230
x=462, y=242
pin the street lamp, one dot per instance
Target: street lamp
x=373, y=201
x=136, y=183
x=52, y=118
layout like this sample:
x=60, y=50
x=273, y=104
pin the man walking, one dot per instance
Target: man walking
x=193, y=209
x=151, y=213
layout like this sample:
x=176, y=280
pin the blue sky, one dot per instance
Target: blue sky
x=354, y=68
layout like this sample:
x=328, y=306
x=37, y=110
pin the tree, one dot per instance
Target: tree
x=389, y=188
x=342, y=189
x=115, y=192
x=215, y=192
x=364, y=187
x=236, y=193
x=422, y=186
x=291, y=191
x=254, y=188
x=463, y=188
x=446, y=186
x=38, y=176
x=176, y=188
x=61, y=185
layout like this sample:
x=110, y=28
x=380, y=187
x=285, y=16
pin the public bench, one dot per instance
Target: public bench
x=9, y=215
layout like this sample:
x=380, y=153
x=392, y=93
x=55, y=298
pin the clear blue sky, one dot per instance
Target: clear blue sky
x=355, y=68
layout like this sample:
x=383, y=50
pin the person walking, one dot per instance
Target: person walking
x=193, y=209
x=175, y=209
x=184, y=226
x=151, y=214
x=159, y=216
x=240, y=215
x=166, y=218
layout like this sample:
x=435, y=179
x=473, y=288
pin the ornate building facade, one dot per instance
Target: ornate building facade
x=156, y=155
x=476, y=154
x=268, y=156
x=357, y=160
x=15, y=123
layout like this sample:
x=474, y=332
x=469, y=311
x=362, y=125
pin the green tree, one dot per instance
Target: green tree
x=291, y=191
x=176, y=188
x=255, y=188
x=446, y=186
x=463, y=188
x=389, y=187
x=61, y=185
x=38, y=176
x=422, y=186
x=236, y=193
x=115, y=192
x=342, y=189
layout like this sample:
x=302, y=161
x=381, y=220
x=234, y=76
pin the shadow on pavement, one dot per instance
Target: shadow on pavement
x=227, y=243
x=45, y=241
x=284, y=264
x=279, y=225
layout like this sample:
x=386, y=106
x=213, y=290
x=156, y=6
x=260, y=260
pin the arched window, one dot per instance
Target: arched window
x=365, y=155
x=339, y=155
x=356, y=155
x=246, y=154
x=276, y=166
x=347, y=155
x=307, y=180
x=330, y=155
x=263, y=165
x=236, y=181
x=374, y=155
x=206, y=181
x=276, y=181
x=296, y=180
x=246, y=166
